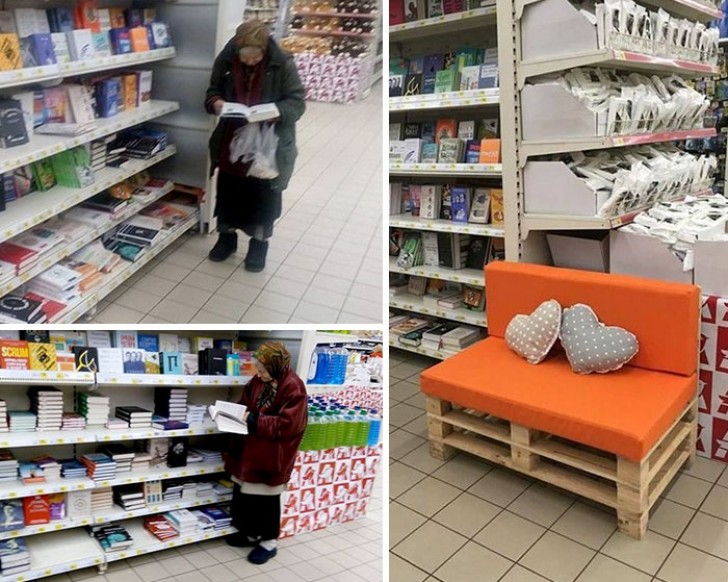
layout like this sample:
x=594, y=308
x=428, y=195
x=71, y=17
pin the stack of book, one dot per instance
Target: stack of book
x=47, y=404
x=220, y=518
x=203, y=489
x=51, y=467
x=60, y=283
x=171, y=403
x=136, y=416
x=14, y=557
x=130, y=497
x=98, y=155
x=25, y=250
x=172, y=491
x=89, y=274
x=142, y=231
x=101, y=499
x=116, y=424
x=189, y=490
x=196, y=413
x=13, y=517
x=4, y=416
x=171, y=214
x=19, y=308
x=88, y=216
x=160, y=527
x=73, y=469
x=459, y=338
x=121, y=454
x=141, y=143
x=8, y=466
x=223, y=487
x=193, y=457
x=105, y=202
x=183, y=521
x=73, y=421
x=21, y=421
x=209, y=456
x=112, y=538
x=97, y=255
x=100, y=467
x=204, y=521
x=432, y=336
x=94, y=407
x=141, y=461
x=31, y=473
x=161, y=423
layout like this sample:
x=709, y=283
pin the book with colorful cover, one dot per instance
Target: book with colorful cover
x=11, y=515
x=14, y=354
x=42, y=357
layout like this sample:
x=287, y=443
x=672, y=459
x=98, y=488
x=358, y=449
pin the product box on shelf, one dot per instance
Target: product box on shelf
x=550, y=187
x=587, y=251
x=713, y=380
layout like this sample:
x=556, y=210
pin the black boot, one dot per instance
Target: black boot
x=226, y=245
x=255, y=259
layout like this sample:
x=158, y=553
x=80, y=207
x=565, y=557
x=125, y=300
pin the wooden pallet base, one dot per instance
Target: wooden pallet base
x=629, y=487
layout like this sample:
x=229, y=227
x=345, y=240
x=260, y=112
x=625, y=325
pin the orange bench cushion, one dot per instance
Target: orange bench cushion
x=625, y=412
x=664, y=316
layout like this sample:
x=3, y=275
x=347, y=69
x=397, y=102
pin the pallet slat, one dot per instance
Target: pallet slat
x=667, y=447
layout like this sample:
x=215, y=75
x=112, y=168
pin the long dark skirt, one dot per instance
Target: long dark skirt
x=246, y=204
x=256, y=516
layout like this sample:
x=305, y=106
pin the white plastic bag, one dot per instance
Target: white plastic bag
x=256, y=143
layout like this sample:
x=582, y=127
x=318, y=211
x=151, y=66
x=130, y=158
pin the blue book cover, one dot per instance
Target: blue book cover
x=11, y=515
x=148, y=342
x=120, y=41
x=134, y=17
x=60, y=20
x=171, y=362
x=433, y=63
x=223, y=344
x=428, y=83
x=42, y=47
x=108, y=97
x=417, y=66
x=12, y=547
x=429, y=129
x=472, y=151
x=460, y=204
x=150, y=37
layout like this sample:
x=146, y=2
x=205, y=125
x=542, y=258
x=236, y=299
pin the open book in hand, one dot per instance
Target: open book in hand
x=253, y=114
x=228, y=416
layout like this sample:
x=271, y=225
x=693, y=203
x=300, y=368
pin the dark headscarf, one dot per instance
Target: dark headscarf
x=276, y=359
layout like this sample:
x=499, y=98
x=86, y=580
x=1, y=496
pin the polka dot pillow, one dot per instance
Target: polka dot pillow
x=591, y=346
x=533, y=336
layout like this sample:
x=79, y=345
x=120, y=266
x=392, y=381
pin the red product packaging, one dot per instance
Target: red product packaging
x=36, y=509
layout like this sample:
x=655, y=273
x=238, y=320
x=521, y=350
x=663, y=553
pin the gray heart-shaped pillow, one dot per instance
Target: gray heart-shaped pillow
x=591, y=346
x=533, y=336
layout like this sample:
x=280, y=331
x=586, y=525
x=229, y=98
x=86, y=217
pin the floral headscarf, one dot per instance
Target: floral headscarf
x=276, y=359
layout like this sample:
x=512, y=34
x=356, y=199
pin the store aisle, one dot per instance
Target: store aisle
x=465, y=519
x=351, y=552
x=325, y=258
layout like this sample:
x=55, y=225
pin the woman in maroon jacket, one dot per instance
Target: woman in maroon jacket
x=261, y=462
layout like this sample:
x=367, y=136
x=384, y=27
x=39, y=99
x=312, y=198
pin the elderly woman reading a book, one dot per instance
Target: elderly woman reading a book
x=261, y=462
x=251, y=70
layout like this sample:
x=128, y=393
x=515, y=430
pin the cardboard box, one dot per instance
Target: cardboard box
x=710, y=267
x=542, y=30
x=645, y=256
x=587, y=251
x=552, y=188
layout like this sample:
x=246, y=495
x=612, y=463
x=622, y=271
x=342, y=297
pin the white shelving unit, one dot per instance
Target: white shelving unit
x=79, y=549
x=427, y=36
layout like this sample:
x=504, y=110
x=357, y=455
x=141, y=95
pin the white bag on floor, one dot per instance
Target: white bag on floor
x=256, y=143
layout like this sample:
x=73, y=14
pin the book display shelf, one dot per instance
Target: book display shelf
x=167, y=464
x=551, y=140
x=87, y=109
x=337, y=46
x=443, y=86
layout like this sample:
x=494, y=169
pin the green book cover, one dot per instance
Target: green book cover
x=43, y=174
x=446, y=81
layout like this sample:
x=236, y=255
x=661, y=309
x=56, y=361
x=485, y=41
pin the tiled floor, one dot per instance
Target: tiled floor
x=325, y=259
x=345, y=553
x=465, y=520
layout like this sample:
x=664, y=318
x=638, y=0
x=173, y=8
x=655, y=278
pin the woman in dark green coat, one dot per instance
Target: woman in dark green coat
x=251, y=69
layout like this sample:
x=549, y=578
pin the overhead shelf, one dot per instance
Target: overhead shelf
x=467, y=276
x=462, y=170
x=447, y=24
x=539, y=148
x=30, y=210
x=616, y=59
x=416, y=304
x=447, y=100
x=59, y=71
x=168, y=380
x=35, y=378
x=42, y=146
x=441, y=225
x=690, y=9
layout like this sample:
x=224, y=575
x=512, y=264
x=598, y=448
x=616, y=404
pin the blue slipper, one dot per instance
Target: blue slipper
x=260, y=555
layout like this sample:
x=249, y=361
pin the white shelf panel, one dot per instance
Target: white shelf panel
x=448, y=100
x=439, y=225
x=26, y=212
x=538, y=148
x=615, y=59
x=42, y=146
x=690, y=9
x=30, y=75
x=35, y=377
x=106, y=435
x=71, y=247
x=467, y=276
x=168, y=380
x=145, y=542
x=415, y=304
x=59, y=552
x=461, y=170
x=114, y=514
x=447, y=24
x=15, y=489
x=440, y=355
